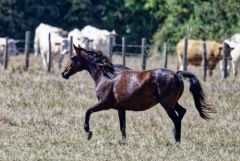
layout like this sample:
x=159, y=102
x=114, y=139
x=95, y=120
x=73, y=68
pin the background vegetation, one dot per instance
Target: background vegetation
x=41, y=115
x=157, y=20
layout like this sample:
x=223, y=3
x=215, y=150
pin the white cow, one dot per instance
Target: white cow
x=78, y=38
x=12, y=48
x=45, y=29
x=100, y=37
x=235, y=38
x=235, y=53
x=59, y=45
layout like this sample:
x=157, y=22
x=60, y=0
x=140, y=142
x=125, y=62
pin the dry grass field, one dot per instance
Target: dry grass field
x=41, y=118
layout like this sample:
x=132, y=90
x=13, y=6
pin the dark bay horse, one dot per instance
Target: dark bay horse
x=120, y=88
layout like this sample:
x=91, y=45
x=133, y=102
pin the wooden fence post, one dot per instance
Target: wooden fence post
x=204, y=61
x=225, y=60
x=144, y=53
x=49, y=58
x=185, y=54
x=165, y=58
x=110, y=48
x=71, y=47
x=26, y=50
x=5, y=56
x=123, y=51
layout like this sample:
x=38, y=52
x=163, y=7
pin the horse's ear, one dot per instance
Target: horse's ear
x=77, y=50
x=80, y=48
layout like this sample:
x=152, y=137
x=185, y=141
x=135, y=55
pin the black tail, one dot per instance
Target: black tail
x=198, y=94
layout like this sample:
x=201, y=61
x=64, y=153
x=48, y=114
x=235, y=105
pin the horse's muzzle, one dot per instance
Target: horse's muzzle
x=65, y=75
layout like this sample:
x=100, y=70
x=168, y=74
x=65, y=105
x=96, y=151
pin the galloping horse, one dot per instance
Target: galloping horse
x=121, y=88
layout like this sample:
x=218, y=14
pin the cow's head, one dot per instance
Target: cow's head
x=86, y=43
x=113, y=33
x=62, y=46
x=65, y=47
x=62, y=33
x=12, y=47
x=228, y=49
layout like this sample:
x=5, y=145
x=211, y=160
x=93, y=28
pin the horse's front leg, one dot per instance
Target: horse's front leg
x=98, y=107
x=122, y=120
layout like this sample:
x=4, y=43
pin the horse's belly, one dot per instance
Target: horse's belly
x=138, y=103
x=139, y=106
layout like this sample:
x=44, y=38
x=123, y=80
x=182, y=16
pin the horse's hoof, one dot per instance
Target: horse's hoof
x=123, y=141
x=89, y=135
x=178, y=145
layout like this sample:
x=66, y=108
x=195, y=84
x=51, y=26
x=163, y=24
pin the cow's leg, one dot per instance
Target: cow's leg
x=221, y=67
x=36, y=45
x=179, y=63
x=60, y=59
x=210, y=72
x=44, y=60
x=47, y=58
x=229, y=69
x=181, y=67
x=36, y=51
x=234, y=65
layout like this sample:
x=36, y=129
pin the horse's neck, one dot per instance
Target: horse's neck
x=95, y=73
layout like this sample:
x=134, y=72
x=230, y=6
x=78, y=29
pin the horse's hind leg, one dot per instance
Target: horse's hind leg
x=180, y=111
x=122, y=119
x=177, y=125
x=176, y=121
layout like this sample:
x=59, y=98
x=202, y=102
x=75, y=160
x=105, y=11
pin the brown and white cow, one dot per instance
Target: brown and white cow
x=194, y=53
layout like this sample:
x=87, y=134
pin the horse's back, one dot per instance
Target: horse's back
x=145, y=77
x=138, y=90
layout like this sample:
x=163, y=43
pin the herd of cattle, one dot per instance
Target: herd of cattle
x=60, y=40
x=97, y=39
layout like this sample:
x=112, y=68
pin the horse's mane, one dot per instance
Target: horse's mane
x=102, y=62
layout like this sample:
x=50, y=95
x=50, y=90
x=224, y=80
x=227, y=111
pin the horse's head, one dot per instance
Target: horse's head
x=75, y=64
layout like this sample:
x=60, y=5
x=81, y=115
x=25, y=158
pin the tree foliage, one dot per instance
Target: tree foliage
x=157, y=20
x=207, y=19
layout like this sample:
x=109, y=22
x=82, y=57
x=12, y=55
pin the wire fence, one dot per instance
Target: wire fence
x=142, y=50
